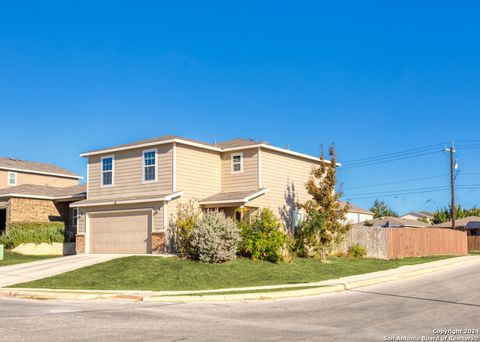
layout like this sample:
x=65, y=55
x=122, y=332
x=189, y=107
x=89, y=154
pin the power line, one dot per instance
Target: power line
x=393, y=153
x=400, y=191
x=408, y=193
x=388, y=160
x=400, y=182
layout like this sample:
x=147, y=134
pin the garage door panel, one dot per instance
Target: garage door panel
x=120, y=233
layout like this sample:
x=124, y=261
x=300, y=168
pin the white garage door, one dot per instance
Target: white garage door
x=114, y=233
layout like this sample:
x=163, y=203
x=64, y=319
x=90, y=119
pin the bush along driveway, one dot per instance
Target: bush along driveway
x=170, y=274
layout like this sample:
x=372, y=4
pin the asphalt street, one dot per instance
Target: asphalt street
x=408, y=308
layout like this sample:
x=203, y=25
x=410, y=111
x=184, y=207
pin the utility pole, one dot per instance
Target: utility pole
x=452, y=182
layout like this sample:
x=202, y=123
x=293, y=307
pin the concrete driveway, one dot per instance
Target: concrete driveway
x=29, y=271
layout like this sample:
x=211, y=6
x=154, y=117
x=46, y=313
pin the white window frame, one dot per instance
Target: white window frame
x=144, y=166
x=75, y=218
x=10, y=173
x=232, y=156
x=113, y=171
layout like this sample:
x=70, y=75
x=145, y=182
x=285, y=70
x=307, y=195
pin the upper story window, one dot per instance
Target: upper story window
x=150, y=165
x=107, y=171
x=12, y=178
x=237, y=163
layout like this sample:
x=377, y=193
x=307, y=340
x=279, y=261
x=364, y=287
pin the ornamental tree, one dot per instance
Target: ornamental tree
x=325, y=224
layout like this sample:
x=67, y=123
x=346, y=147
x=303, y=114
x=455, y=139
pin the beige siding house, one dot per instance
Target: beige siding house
x=33, y=191
x=134, y=190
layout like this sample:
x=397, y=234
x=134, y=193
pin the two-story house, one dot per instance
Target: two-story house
x=134, y=190
x=33, y=191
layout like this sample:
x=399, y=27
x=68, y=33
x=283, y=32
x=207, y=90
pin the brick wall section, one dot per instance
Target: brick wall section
x=158, y=242
x=36, y=210
x=80, y=243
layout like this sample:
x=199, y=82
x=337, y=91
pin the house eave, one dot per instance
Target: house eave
x=149, y=144
x=207, y=147
x=40, y=172
x=166, y=198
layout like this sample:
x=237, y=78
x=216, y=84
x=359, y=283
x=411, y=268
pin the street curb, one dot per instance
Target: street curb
x=207, y=296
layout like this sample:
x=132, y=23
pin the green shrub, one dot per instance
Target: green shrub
x=263, y=237
x=357, y=251
x=214, y=238
x=32, y=232
x=187, y=216
x=310, y=235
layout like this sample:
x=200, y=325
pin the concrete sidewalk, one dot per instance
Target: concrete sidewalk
x=261, y=292
x=29, y=271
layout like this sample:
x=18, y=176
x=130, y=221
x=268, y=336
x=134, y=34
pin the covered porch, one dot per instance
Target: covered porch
x=235, y=204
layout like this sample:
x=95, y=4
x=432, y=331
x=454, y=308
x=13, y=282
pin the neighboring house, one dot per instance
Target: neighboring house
x=32, y=191
x=470, y=224
x=420, y=215
x=394, y=222
x=134, y=190
x=356, y=214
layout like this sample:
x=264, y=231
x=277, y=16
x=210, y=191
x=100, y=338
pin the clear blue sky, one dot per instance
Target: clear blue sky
x=373, y=76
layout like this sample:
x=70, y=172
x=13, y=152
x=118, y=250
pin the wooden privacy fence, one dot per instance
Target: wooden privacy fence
x=373, y=239
x=473, y=243
x=391, y=243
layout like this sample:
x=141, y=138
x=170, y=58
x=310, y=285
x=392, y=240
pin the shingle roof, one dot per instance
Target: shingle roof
x=354, y=209
x=34, y=167
x=45, y=191
x=233, y=197
x=389, y=221
x=470, y=222
x=152, y=140
x=238, y=142
x=420, y=214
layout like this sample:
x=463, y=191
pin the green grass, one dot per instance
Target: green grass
x=163, y=274
x=474, y=252
x=12, y=258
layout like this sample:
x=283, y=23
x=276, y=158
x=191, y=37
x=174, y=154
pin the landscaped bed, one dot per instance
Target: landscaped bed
x=15, y=258
x=163, y=274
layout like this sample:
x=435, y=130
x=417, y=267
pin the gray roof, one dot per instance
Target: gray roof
x=238, y=142
x=45, y=191
x=158, y=139
x=470, y=222
x=224, y=144
x=396, y=222
x=233, y=197
x=354, y=209
x=34, y=167
x=420, y=214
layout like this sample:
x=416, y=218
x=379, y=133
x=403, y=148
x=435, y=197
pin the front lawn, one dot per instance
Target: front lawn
x=162, y=274
x=12, y=258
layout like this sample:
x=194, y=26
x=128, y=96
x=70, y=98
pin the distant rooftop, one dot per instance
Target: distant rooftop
x=355, y=209
x=395, y=222
x=420, y=214
x=45, y=191
x=470, y=222
x=35, y=167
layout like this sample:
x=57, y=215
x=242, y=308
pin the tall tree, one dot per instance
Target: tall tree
x=381, y=209
x=445, y=214
x=325, y=224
